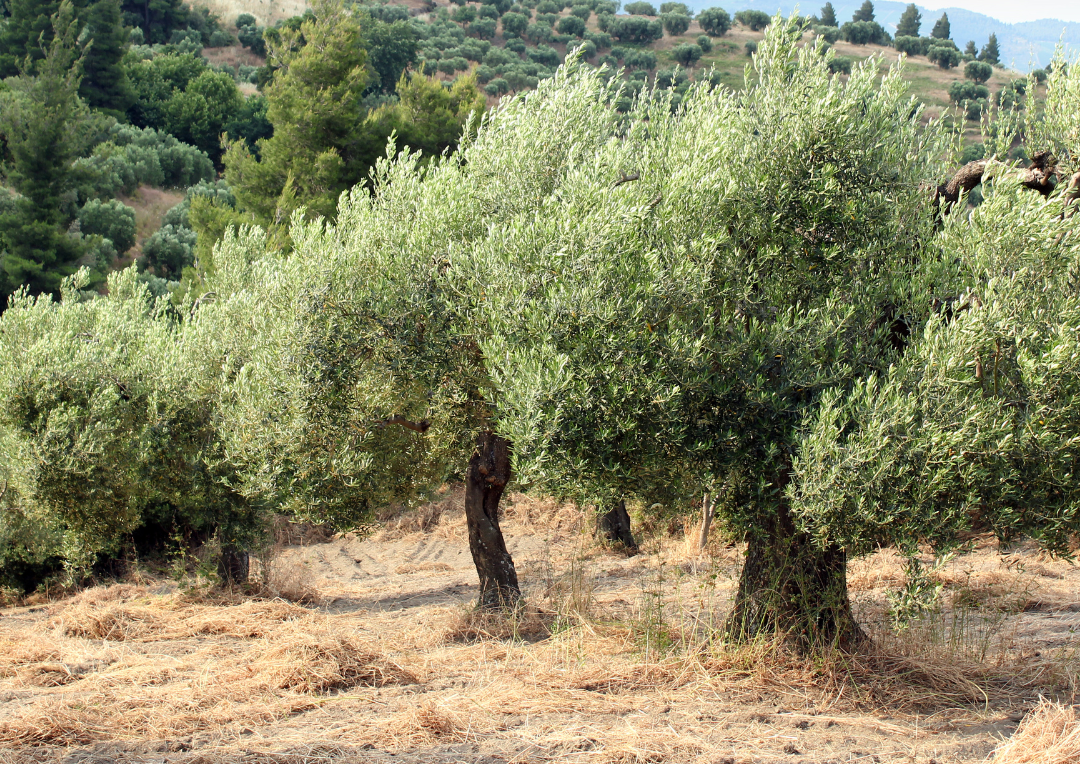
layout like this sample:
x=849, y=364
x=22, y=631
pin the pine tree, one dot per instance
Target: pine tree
x=865, y=12
x=19, y=34
x=36, y=122
x=105, y=85
x=828, y=15
x=910, y=22
x=315, y=103
x=971, y=50
x=941, y=29
x=156, y=18
x=990, y=53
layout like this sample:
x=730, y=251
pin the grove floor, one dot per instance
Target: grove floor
x=617, y=661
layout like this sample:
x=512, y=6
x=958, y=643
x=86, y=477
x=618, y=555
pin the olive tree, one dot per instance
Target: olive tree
x=107, y=425
x=705, y=278
x=365, y=382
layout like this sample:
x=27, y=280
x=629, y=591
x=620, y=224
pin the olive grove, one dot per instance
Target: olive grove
x=775, y=294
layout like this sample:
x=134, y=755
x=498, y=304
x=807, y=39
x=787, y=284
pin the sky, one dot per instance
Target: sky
x=1012, y=11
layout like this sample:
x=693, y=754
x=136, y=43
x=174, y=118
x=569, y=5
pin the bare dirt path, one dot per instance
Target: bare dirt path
x=390, y=667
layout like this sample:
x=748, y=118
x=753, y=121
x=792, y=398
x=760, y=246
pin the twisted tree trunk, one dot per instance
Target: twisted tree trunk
x=485, y=481
x=614, y=527
x=791, y=588
x=1040, y=176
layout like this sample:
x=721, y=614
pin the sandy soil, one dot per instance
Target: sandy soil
x=389, y=664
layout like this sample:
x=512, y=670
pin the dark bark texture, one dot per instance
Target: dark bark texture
x=793, y=589
x=1040, y=176
x=233, y=566
x=614, y=527
x=485, y=482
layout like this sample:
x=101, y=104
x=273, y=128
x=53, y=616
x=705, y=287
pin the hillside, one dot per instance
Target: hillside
x=1023, y=46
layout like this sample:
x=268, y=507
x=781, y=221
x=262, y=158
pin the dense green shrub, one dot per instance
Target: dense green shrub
x=705, y=43
x=539, y=33
x=169, y=251
x=961, y=91
x=640, y=8
x=841, y=65
x=483, y=28
x=639, y=59
x=497, y=87
x=675, y=24
x=600, y=39
x=132, y=157
x=912, y=46
x=864, y=33
x=686, y=55
x=753, y=20
x=122, y=439
x=514, y=24
x=944, y=56
x=110, y=219
x=635, y=29
x=714, y=22
x=542, y=54
x=978, y=71
x=571, y=25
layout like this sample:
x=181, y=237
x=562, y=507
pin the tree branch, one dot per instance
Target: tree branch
x=421, y=426
x=1038, y=177
x=624, y=178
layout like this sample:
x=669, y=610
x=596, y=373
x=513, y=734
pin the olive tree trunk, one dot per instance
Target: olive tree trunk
x=614, y=527
x=485, y=481
x=793, y=589
x=708, y=506
x=233, y=565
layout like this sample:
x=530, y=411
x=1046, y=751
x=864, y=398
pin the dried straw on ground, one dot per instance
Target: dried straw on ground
x=1050, y=734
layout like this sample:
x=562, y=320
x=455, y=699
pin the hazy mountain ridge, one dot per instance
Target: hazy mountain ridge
x=1023, y=46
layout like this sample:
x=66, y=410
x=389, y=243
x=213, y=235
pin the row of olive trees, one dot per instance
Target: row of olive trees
x=601, y=306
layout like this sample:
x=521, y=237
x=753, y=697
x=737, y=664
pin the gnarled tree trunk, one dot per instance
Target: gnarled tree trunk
x=233, y=565
x=486, y=479
x=791, y=588
x=614, y=527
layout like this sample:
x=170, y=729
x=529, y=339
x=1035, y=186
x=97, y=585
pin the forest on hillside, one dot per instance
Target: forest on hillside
x=102, y=99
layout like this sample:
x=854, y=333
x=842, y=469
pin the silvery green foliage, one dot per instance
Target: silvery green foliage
x=103, y=416
x=979, y=422
x=648, y=334
x=132, y=156
x=1057, y=128
x=366, y=320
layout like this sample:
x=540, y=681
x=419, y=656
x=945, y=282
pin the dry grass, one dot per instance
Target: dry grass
x=616, y=660
x=233, y=55
x=473, y=625
x=312, y=658
x=266, y=11
x=126, y=613
x=150, y=205
x=1050, y=734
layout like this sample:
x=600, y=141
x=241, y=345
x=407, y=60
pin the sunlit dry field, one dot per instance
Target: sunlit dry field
x=363, y=649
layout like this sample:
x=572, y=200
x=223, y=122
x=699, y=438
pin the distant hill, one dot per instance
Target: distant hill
x=1023, y=46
